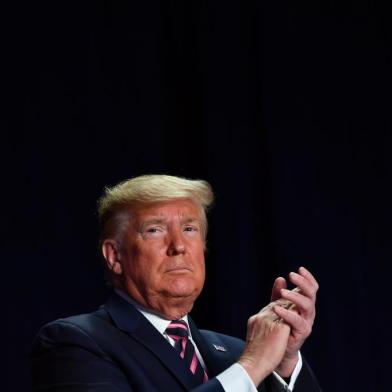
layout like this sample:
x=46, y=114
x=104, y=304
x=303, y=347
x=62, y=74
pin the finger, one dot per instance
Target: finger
x=266, y=314
x=307, y=274
x=295, y=321
x=306, y=286
x=279, y=284
x=303, y=285
x=303, y=304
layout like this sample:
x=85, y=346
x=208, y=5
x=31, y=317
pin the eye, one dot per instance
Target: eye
x=191, y=229
x=153, y=231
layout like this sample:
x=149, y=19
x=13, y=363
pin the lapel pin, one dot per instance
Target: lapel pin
x=219, y=348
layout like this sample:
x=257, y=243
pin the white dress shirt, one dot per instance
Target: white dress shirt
x=234, y=378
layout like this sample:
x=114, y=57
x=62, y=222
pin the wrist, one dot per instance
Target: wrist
x=286, y=367
x=255, y=369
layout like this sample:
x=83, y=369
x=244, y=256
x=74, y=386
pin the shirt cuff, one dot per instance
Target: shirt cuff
x=293, y=377
x=236, y=379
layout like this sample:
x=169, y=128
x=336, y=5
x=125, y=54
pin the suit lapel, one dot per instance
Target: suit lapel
x=134, y=324
x=216, y=357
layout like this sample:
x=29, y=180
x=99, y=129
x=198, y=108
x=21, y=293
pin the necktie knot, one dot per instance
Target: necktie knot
x=178, y=329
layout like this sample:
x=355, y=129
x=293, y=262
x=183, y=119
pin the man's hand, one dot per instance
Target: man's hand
x=266, y=344
x=297, y=309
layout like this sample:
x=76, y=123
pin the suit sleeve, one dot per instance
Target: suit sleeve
x=65, y=359
x=306, y=382
x=212, y=385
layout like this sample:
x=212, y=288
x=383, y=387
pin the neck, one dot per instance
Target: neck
x=169, y=308
x=172, y=308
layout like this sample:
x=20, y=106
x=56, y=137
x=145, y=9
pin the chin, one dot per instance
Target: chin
x=183, y=288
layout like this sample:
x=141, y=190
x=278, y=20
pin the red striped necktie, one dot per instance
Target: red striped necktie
x=178, y=331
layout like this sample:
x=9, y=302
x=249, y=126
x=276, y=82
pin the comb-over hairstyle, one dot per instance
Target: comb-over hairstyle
x=116, y=203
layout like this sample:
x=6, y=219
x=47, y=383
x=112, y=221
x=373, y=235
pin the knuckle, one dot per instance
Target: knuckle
x=309, y=306
x=307, y=329
x=252, y=320
x=314, y=292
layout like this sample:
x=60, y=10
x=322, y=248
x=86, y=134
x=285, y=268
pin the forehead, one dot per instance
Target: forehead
x=178, y=208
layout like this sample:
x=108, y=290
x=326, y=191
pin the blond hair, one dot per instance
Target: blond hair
x=115, y=204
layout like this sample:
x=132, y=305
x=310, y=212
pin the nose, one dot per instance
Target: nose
x=176, y=244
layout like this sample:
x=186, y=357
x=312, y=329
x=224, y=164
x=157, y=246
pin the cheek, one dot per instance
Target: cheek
x=199, y=259
x=138, y=264
x=150, y=263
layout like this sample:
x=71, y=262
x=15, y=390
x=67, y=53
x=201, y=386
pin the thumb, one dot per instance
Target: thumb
x=279, y=284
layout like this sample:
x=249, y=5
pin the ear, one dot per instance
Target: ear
x=111, y=253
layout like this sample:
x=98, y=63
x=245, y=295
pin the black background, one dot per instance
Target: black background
x=283, y=106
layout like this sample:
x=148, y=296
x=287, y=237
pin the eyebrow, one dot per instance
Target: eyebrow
x=158, y=221
x=191, y=220
x=154, y=221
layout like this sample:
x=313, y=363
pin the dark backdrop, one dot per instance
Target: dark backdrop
x=283, y=106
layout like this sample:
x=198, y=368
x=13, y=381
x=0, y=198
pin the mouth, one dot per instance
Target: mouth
x=178, y=270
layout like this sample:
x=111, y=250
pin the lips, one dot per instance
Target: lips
x=178, y=269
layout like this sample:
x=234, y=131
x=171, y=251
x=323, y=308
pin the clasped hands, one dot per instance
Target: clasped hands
x=277, y=332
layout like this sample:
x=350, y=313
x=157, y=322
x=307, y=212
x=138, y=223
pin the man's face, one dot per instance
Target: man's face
x=162, y=256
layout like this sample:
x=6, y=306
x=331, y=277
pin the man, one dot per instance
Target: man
x=153, y=231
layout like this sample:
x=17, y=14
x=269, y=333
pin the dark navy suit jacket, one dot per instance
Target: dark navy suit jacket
x=117, y=349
